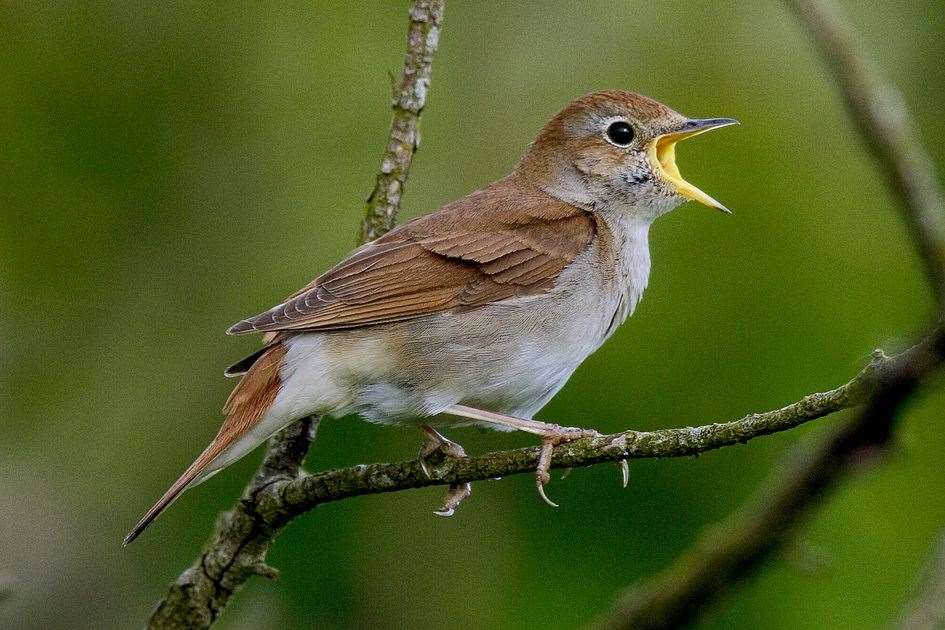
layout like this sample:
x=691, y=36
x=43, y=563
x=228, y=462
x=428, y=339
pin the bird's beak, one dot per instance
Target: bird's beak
x=662, y=153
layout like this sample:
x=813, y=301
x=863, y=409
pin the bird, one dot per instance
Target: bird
x=479, y=312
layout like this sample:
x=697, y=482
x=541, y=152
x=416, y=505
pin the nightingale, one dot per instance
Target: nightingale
x=479, y=312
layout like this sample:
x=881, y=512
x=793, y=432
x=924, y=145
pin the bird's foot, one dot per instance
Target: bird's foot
x=454, y=496
x=436, y=448
x=552, y=436
x=436, y=445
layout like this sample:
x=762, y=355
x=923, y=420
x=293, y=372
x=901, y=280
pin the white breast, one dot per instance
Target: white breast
x=631, y=265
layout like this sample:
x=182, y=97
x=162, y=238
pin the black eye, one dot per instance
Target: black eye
x=620, y=133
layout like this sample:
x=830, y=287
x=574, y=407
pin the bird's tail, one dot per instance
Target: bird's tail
x=245, y=408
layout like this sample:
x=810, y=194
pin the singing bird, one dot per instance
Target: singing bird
x=479, y=312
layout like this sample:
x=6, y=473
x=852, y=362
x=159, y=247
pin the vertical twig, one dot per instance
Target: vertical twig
x=407, y=101
x=238, y=545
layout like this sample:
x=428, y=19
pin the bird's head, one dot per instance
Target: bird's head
x=616, y=150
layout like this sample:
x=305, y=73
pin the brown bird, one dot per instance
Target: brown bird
x=479, y=312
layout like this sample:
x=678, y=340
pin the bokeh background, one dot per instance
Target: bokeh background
x=168, y=168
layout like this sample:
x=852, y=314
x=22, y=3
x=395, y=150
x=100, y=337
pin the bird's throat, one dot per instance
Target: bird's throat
x=625, y=251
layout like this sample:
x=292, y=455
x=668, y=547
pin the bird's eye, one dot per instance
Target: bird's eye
x=620, y=133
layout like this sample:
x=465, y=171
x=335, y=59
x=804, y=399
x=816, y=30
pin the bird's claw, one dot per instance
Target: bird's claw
x=541, y=471
x=559, y=435
x=454, y=496
x=436, y=443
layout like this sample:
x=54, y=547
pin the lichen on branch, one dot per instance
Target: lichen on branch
x=407, y=101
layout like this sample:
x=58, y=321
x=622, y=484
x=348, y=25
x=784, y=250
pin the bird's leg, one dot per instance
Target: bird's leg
x=433, y=442
x=551, y=435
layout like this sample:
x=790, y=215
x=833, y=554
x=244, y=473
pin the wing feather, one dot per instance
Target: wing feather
x=498, y=243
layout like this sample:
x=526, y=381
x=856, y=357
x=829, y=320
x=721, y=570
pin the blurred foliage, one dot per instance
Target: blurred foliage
x=167, y=168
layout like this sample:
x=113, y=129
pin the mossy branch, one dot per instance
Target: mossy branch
x=243, y=535
x=285, y=500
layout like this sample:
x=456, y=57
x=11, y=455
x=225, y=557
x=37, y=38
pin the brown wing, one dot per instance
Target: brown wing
x=498, y=243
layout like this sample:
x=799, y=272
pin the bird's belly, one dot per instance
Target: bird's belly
x=508, y=358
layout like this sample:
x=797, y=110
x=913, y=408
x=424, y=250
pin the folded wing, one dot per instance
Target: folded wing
x=491, y=246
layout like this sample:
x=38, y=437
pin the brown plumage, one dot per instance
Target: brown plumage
x=503, y=241
x=245, y=406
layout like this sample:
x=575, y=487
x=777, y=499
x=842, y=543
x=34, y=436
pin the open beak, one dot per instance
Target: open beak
x=662, y=153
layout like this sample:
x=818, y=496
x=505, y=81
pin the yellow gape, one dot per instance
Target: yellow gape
x=662, y=153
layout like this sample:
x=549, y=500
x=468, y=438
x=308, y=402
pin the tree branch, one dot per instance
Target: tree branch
x=291, y=498
x=238, y=545
x=243, y=536
x=880, y=112
x=408, y=100
x=740, y=545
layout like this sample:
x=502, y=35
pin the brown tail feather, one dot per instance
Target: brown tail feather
x=216, y=447
x=244, y=408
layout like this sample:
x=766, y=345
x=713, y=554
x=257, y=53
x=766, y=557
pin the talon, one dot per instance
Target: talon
x=454, y=496
x=551, y=435
x=566, y=472
x=624, y=472
x=544, y=497
x=454, y=450
x=541, y=471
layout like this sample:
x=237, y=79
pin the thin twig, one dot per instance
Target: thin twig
x=408, y=100
x=740, y=546
x=927, y=611
x=880, y=112
x=238, y=545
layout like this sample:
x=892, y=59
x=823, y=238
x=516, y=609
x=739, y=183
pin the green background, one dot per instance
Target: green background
x=168, y=168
